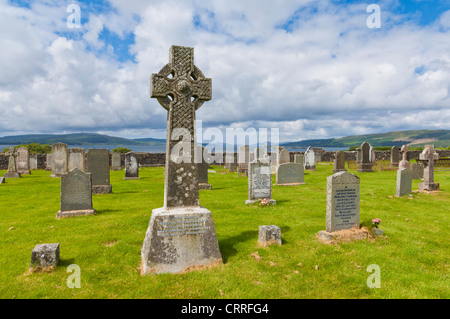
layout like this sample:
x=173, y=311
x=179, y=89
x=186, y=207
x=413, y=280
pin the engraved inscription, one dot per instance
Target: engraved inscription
x=346, y=206
x=182, y=225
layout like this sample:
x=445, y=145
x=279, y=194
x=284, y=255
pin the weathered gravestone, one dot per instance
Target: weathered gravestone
x=12, y=168
x=372, y=156
x=299, y=159
x=33, y=161
x=269, y=235
x=59, y=159
x=290, y=174
x=404, y=182
x=76, y=194
x=48, y=162
x=243, y=158
x=365, y=165
x=259, y=182
x=284, y=157
x=2, y=180
x=417, y=171
x=429, y=155
x=230, y=161
x=202, y=160
x=310, y=159
x=116, y=162
x=76, y=159
x=358, y=155
x=404, y=163
x=275, y=157
x=342, y=201
x=181, y=236
x=395, y=156
x=339, y=162
x=45, y=255
x=98, y=166
x=131, y=166
x=23, y=160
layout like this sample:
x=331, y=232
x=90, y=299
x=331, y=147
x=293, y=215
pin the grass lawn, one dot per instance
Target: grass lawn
x=413, y=257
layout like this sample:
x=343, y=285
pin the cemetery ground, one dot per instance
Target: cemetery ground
x=413, y=256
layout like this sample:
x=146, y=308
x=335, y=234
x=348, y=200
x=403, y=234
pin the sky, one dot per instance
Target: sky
x=312, y=69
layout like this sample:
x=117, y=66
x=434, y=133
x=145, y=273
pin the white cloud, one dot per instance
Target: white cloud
x=329, y=76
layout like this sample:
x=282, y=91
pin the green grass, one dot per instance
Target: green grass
x=413, y=258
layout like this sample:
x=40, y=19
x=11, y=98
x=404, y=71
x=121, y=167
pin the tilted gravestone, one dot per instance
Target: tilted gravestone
x=202, y=160
x=310, y=159
x=430, y=155
x=395, y=156
x=404, y=162
x=365, y=164
x=131, y=166
x=12, y=168
x=33, y=161
x=339, y=162
x=259, y=182
x=59, y=159
x=342, y=201
x=98, y=166
x=290, y=174
x=23, y=160
x=76, y=159
x=181, y=236
x=116, y=161
x=76, y=194
x=404, y=182
x=417, y=171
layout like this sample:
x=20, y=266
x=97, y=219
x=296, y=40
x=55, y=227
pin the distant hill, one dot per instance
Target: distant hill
x=439, y=138
x=78, y=139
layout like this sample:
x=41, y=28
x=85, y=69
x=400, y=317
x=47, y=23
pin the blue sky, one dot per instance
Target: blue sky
x=313, y=69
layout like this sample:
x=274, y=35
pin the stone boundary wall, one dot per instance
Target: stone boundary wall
x=158, y=159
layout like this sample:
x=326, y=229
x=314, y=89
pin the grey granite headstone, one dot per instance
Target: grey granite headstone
x=339, y=162
x=404, y=182
x=23, y=160
x=45, y=255
x=417, y=171
x=310, y=159
x=116, y=161
x=181, y=236
x=268, y=235
x=290, y=174
x=299, y=159
x=12, y=168
x=259, y=182
x=365, y=164
x=283, y=157
x=59, y=159
x=33, y=161
x=76, y=158
x=98, y=166
x=342, y=201
x=131, y=166
x=395, y=156
x=48, y=162
x=76, y=194
x=430, y=155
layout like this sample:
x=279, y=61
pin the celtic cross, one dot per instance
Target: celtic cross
x=181, y=88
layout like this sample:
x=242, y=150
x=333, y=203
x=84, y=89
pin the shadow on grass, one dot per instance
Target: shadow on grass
x=106, y=211
x=227, y=245
x=65, y=262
